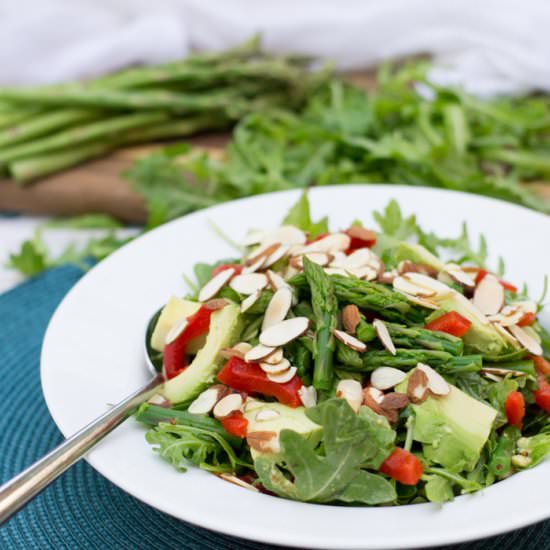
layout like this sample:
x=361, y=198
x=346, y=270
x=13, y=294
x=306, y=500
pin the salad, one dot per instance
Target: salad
x=353, y=367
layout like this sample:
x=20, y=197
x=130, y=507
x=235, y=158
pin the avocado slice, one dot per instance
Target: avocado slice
x=417, y=254
x=225, y=328
x=453, y=429
x=287, y=418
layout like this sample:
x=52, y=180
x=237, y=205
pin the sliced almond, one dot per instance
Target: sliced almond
x=350, y=341
x=249, y=283
x=384, y=335
x=214, y=285
x=275, y=368
x=206, y=401
x=402, y=284
x=359, y=258
x=276, y=281
x=459, y=275
x=319, y=258
x=394, y=401
x=417, y=386
x=406, y=266
x=215, y=304
x=284, y=332
x=238, y=350
x=278, y=308
x=337, y=242
x=338, y=259
x=308, y=396
x=489, y=295
x=249, y=301
x=501, y=372
x=527, y=306
x=336, y=271
x=274, y=357
x=351, y=317
x=255, y=266
x=525, y=339
x=372, y=398
x=424, y=302
x=228, y=404
x=436, y=383
x=263, y=441
x=239, y=482
x=258, y=352
x=368, y=273
x=509, y=315
x=387, y=277
x=267, y=414
x=384, y=378
x=159, y=400
x=490, y=376
x=351, y=391
x=506, y=335
x=274, y=257
x=261, y=253
x=176, y=330
x=283, y=377
x=362, y=233
x=287, y=234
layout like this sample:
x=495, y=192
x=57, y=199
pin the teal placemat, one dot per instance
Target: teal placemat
x=82, y=509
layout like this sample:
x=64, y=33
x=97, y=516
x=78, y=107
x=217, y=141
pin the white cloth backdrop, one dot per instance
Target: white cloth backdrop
x=488, y=46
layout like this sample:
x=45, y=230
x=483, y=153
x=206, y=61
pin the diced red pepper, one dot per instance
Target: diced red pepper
x=402, y=466
x=515, y=408
x=451, y=323
x=507, y=286
x=542, y=394
x=250, y=378
x=527, y=319
x=541, y=364
x=237, y=267
x=360, y=238
x=197, y=325
x=235, y=424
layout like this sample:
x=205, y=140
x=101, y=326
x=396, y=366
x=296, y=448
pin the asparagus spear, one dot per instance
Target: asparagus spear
x=413, y=337
x=371, y=296
x=16, y=115
x=325, y=308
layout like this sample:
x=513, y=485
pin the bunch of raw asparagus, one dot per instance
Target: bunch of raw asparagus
x=47, y=129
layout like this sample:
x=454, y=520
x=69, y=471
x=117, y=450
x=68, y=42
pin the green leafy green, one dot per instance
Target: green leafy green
x=438, y=489
x=300, y=216
x=334, y=470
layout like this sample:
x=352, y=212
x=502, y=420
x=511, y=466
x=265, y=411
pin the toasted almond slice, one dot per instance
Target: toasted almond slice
x=351, y=391
x=509, y=315
x=263, y=441
x=276, y=281
x=372, y=398
x=359, y=258
x=362, y=233
x=267, y=414
x=338, y=259
x=237, y=481
x=262, y=251
x=275, y=256
x=258, y=352
x=394, y=401
x=490, y=376
x=255, y=266
x=215, y=304
x=489, y=295
x=351, y=317
x=384, y=378
x=506, y=335
x=459, y=275
x=249, y=301
x=387, y=277
x=275, y=368
x=527, y=306
x=319, y=258
x=350, y=341
x=424, y=302
x=337, y=242
x=368, y=273
x=176, y=330
x=427, y=282
x=417, y=386
x=287, y=234
x=404, y=285
x=228, y=404
x=501, y=372
x=159, y=399
x=336, y=271
x=436, y=383
x=525, y=339
x=206, y=401
x=238, y=350
x=384, y=335
x=214, y=285
x=406, y=266
x=249, y=283
x=283, y=377
x=284, y=332
x=308, y=396
x=278, y=308
x=275, y=357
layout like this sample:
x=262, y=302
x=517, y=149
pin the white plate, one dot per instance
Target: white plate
x=92, y=357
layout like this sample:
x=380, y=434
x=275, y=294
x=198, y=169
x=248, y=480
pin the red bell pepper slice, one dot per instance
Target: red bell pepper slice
x=515, y=408
x=542, y=394
x=235, y=424
x=360, y=238
x=250, y=378
x=451, y=323
x=527, y=319
x=197, y=325
x=507, y=286
x=541, y=364
x=402, y=466
x=222, y=267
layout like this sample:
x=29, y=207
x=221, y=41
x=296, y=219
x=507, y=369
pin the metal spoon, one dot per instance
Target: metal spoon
x=14, y=494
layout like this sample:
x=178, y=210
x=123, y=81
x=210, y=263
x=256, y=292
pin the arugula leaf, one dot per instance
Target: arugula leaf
x=300, y=216
x=334, y=470
x=393, y=223
x=32, y=258
x=438, y=489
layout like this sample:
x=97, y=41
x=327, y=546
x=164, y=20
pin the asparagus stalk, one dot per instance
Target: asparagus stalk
x=387, y=303
x=43, y=124
x=325, y=309
x=16, y=115
x=413, y=337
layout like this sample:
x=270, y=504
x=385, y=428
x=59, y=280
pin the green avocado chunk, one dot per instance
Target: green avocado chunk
x=225, y=328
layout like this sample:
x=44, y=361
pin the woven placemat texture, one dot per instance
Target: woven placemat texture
x=82, y=509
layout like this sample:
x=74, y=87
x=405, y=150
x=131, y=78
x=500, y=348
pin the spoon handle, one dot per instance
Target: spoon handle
x=15, y=493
